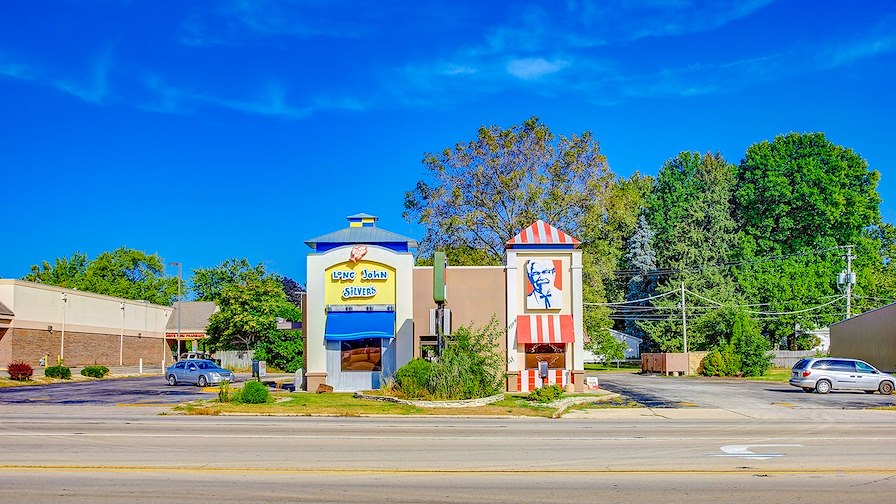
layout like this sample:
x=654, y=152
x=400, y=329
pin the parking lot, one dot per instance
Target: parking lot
x=657, y=391
x=141, y=390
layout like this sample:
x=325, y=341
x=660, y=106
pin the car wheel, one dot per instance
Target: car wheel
x=808, y=389
x=172, y=380
x=886, y=388
x=823, y=387
x=202, y=381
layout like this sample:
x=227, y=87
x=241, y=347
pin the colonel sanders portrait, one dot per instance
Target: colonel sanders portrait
x=544, y=294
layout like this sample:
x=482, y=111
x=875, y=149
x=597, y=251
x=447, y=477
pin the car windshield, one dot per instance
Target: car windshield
x=208, y=365
x=800, y=364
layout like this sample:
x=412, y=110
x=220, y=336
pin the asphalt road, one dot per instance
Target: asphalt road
x=105, y=454
x=699, y=440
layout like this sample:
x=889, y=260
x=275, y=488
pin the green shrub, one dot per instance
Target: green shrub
x=281, y=350
x=750, y=346
x=254, y=392
x=95, y=371
x=224, y=391
x=412, y=378
x=546, y=394
x=58, y=371
x=721, y=361
x=19, y=370
x=469, y=366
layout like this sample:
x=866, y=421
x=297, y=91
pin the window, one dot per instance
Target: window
x=553, y=353
x=823, y=364
x=843, y=365
x=863, y=368
x=179, y=365
x=362, y=354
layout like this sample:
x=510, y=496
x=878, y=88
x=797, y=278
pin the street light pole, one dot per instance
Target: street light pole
x=179, y=303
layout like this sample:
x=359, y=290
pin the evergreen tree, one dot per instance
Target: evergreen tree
x=642, y=259
x=690, y=211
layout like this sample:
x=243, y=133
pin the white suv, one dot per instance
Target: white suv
x=832, y=373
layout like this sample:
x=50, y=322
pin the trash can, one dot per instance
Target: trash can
x=258, y=369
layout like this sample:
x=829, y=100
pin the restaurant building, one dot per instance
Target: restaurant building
x=370, y=310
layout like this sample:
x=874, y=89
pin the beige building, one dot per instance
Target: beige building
x=870, y=336
x=82, y=328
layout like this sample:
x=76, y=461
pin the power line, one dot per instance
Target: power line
x=691, y=269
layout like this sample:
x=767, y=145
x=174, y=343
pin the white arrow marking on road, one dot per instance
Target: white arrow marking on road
x=744, y=451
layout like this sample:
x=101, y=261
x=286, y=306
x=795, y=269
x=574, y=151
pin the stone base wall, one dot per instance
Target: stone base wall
x=82, y=349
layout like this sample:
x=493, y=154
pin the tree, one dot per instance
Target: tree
x=209, y=283
x=690, y=212
x=248, y=315
x=604, y=233
x=797, y=198
x=604, y=344
x=801, y=192
x=124, y=272
x=295, y=293
x=738, y=347
x=130, y=274
x=481, y=193
x=876, y=268
x=642, y=285
x=283, y=350
x=63, y=273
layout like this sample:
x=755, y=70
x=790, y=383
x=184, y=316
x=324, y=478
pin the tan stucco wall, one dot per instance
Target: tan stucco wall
x=475, y=294
x=83, y=327
x=870, y=336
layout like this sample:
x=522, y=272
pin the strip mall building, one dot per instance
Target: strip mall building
x=369, y=308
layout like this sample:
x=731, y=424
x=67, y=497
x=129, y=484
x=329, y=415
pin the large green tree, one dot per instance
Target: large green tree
x=479, y=194
x=124, y=272
x=64, y=272
x=209, y=283
x=798, y=198
x=247, y=319
x=801, y=192
x=690, y=214
x=604, y=233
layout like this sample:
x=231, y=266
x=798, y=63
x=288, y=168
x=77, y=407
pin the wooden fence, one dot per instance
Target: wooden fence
x=235, y=359
x=787, y=358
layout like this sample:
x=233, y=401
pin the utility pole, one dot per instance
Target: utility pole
x=849, y=281
x=684, y=320
x=180, y=303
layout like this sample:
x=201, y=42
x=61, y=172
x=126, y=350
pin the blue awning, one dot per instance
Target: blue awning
x=346, y=326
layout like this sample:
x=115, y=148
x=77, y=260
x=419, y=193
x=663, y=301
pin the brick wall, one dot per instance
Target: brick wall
x=5, y=347
x=83, y=348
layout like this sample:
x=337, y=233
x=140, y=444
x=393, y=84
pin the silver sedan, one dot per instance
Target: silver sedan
x=197, y=371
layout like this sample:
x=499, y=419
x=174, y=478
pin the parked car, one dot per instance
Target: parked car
x=824, y=374
x=200, y=372
x=199, y=355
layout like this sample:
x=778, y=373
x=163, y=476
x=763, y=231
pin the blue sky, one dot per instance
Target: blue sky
x=203, y=131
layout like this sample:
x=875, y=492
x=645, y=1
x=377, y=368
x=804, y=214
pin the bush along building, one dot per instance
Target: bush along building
x=370, y=310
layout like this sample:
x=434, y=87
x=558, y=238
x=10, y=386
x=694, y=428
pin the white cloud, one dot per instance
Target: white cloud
x=534, y=68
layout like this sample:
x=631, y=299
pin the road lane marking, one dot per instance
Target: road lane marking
x=743, y=451
x=509, y=472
